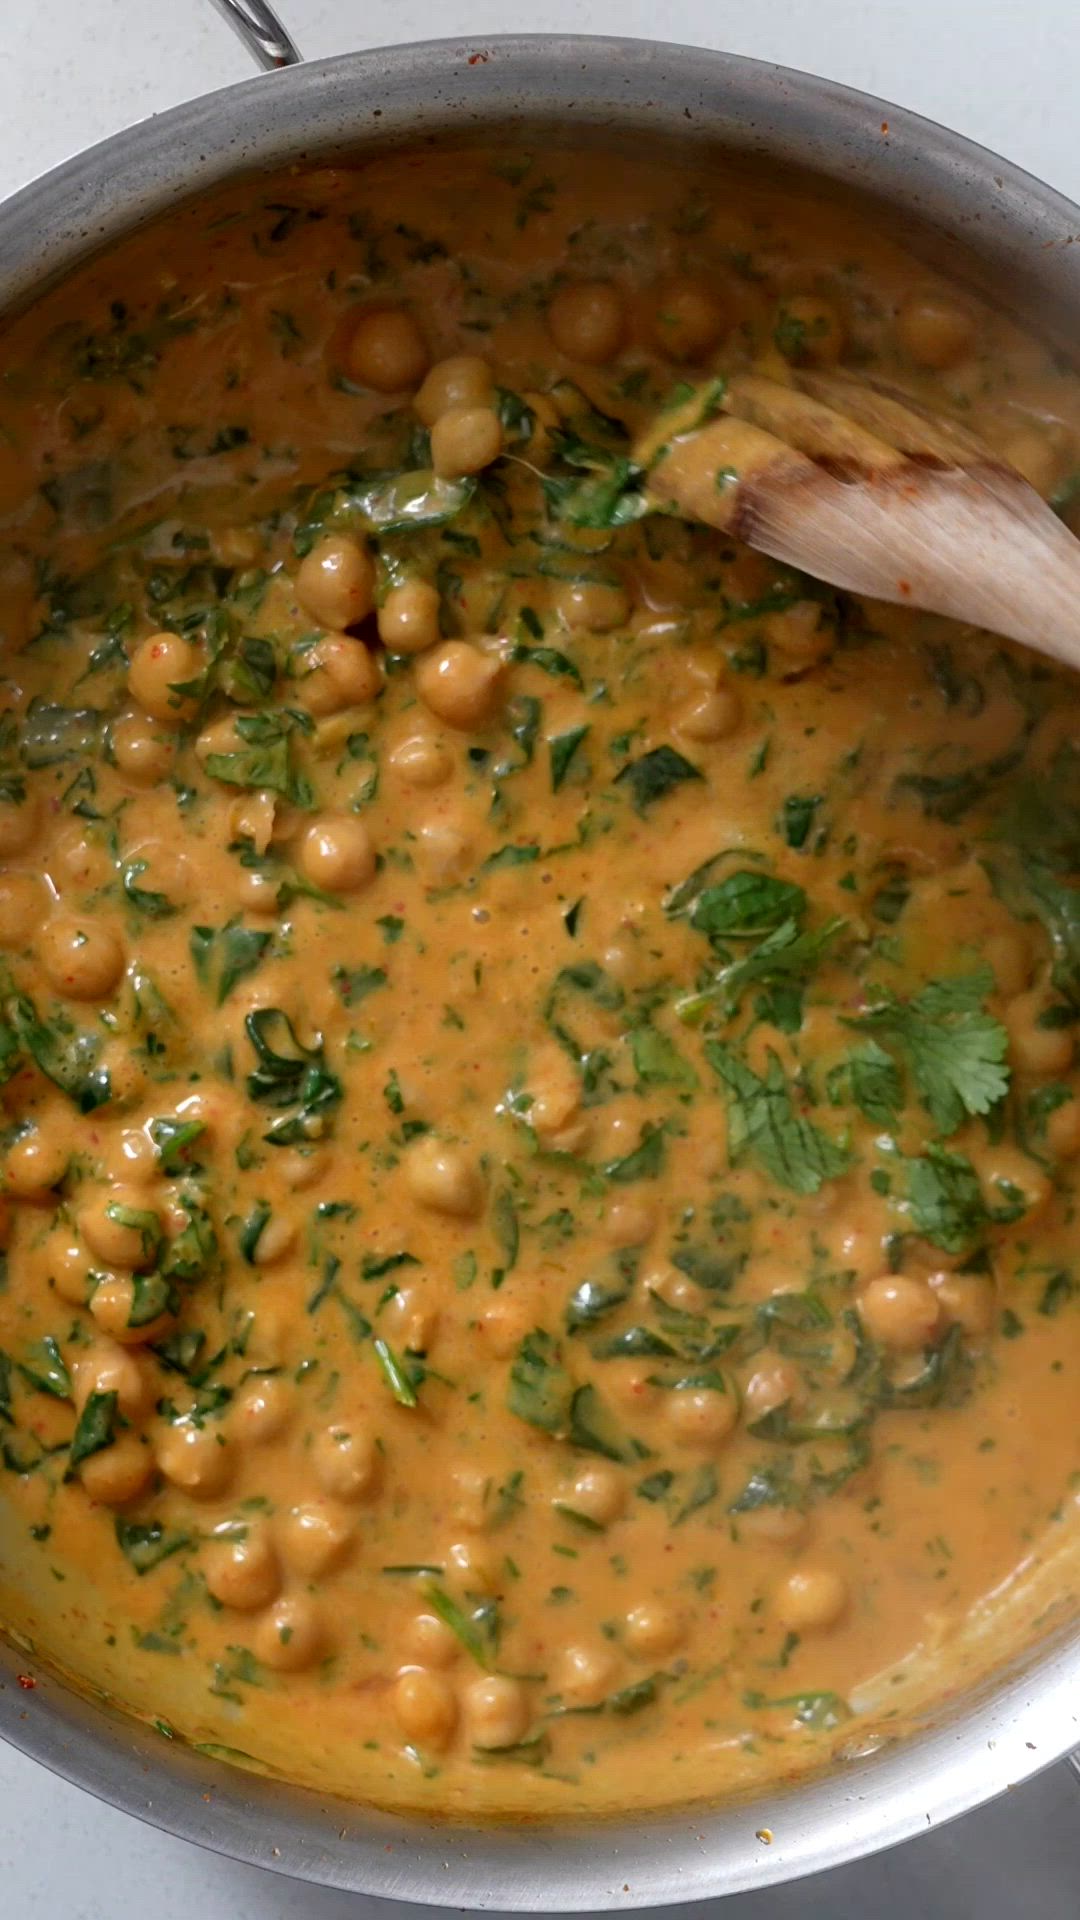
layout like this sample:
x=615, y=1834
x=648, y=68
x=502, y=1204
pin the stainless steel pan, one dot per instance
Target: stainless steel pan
x=1023, y=242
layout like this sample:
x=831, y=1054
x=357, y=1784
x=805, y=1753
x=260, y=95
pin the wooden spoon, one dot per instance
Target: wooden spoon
x=863, y=487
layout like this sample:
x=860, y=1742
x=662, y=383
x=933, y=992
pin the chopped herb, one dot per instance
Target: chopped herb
x=655, y=774
x=764, y=1122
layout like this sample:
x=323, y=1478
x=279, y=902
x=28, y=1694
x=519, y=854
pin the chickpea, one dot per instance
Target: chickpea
x=799, y=633
x=1063, y=1130
x=771, y=1385
x=22, y=909
x=458, y=683
x=688, y=321
x=1008, y=955
x=774, y=1526
x=262, y=1408
x=133, y=1157
x=275, y=1242
x=408, y=619
x=36, y=1164
x=1038, y=456
x=143, y=752
x=69, y=1270
x=315, y=1538
x=462, y=381
x=158, y=667
x=386, y=350
x=629, y=1223
x=1011, y=1180
x=242, y=1571
x=504, y=1325
x=290, y=1635
x=475, y=1565
x=18, y=825
x=118, y=1311
x=340, y=672
x=197, y=1459
x=1035, y=1048
x=237, y=547
x=471, y=1489
x=584, y=1675
x=110, y=1368
x=556, y=1094
x=710, y=716
x=900, y=1312
x=444, y=853
x=421, y=761
x=345, y=1462
x=967, y=1299
x=219, y=737
x=336, y=853
x=118, y=1473
x=258, y=892
x=810, y=1600
x=934, y=329
x=415, y=1317
x=82, y=960
x=425, y=1706
x=809, y=331
x=335, y=582
x=497, y=1711
x=127, y=1079
x=431, y=1641
x=120, y=1228
x=701, y=1417
x=592, y=606
x=622, y=960
x=444, y=1178
x=652, y=1630
x=302, y=1167
x=465, y=440
x=675, y=1288
x=253, y=816
x=75, y=863
x=587, y=321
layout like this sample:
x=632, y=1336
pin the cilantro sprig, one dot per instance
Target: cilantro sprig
x=955, y=1050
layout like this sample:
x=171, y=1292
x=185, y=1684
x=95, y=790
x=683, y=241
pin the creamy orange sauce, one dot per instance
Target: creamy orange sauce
x=539, y=1112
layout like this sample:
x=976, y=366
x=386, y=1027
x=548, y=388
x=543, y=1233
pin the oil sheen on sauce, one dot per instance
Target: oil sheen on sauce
x=539, y=1113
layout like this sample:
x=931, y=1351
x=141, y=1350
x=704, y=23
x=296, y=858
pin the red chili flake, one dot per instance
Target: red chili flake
x=904, y=587
x=479, y=59
x=27, y=1682
x=884, y=126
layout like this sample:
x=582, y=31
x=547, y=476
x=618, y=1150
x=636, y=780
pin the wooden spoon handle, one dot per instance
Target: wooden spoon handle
x=861, y=487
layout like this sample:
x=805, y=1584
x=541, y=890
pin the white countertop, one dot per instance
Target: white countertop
x=74, y=71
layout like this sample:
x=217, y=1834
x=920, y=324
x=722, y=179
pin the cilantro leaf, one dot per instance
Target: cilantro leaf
x=947, y=1204
x=763, y=1122
x=563, y=749
x=657, y=1060
x=871, y=1078
x=745, y=906
x=540, y=1388
x=603, y=488
x=785, y=956
x=223, y=956
x=956, y=1052
x=654, y=775
x=67, y=1055
x=264, y=757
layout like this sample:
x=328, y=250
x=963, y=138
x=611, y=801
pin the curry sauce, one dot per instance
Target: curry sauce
x=539, y=1110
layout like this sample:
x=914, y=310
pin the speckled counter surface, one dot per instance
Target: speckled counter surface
x=72, y=72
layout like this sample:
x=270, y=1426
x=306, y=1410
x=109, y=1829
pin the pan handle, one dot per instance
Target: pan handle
x=257, y=25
